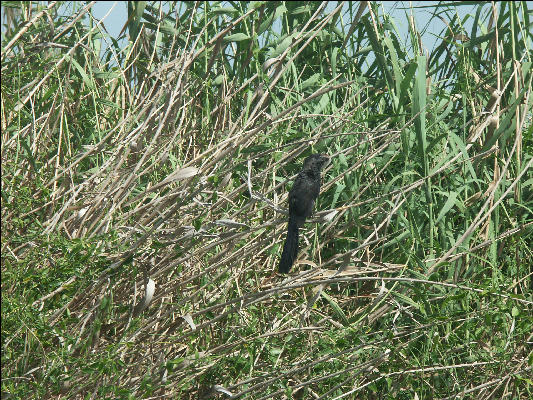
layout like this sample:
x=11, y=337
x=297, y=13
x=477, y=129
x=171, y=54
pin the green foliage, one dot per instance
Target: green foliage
x=164, y=155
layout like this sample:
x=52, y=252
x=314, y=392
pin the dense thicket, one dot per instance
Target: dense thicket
x=162, y=159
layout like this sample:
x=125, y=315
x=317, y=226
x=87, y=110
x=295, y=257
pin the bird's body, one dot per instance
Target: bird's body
x=302, y=199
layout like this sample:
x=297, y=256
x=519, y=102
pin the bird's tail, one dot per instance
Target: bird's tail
x=290, y=249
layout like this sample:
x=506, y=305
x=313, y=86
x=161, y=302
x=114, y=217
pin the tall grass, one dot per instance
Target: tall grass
x=165, y=164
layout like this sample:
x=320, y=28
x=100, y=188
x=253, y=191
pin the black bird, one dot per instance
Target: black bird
x=302, y=198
